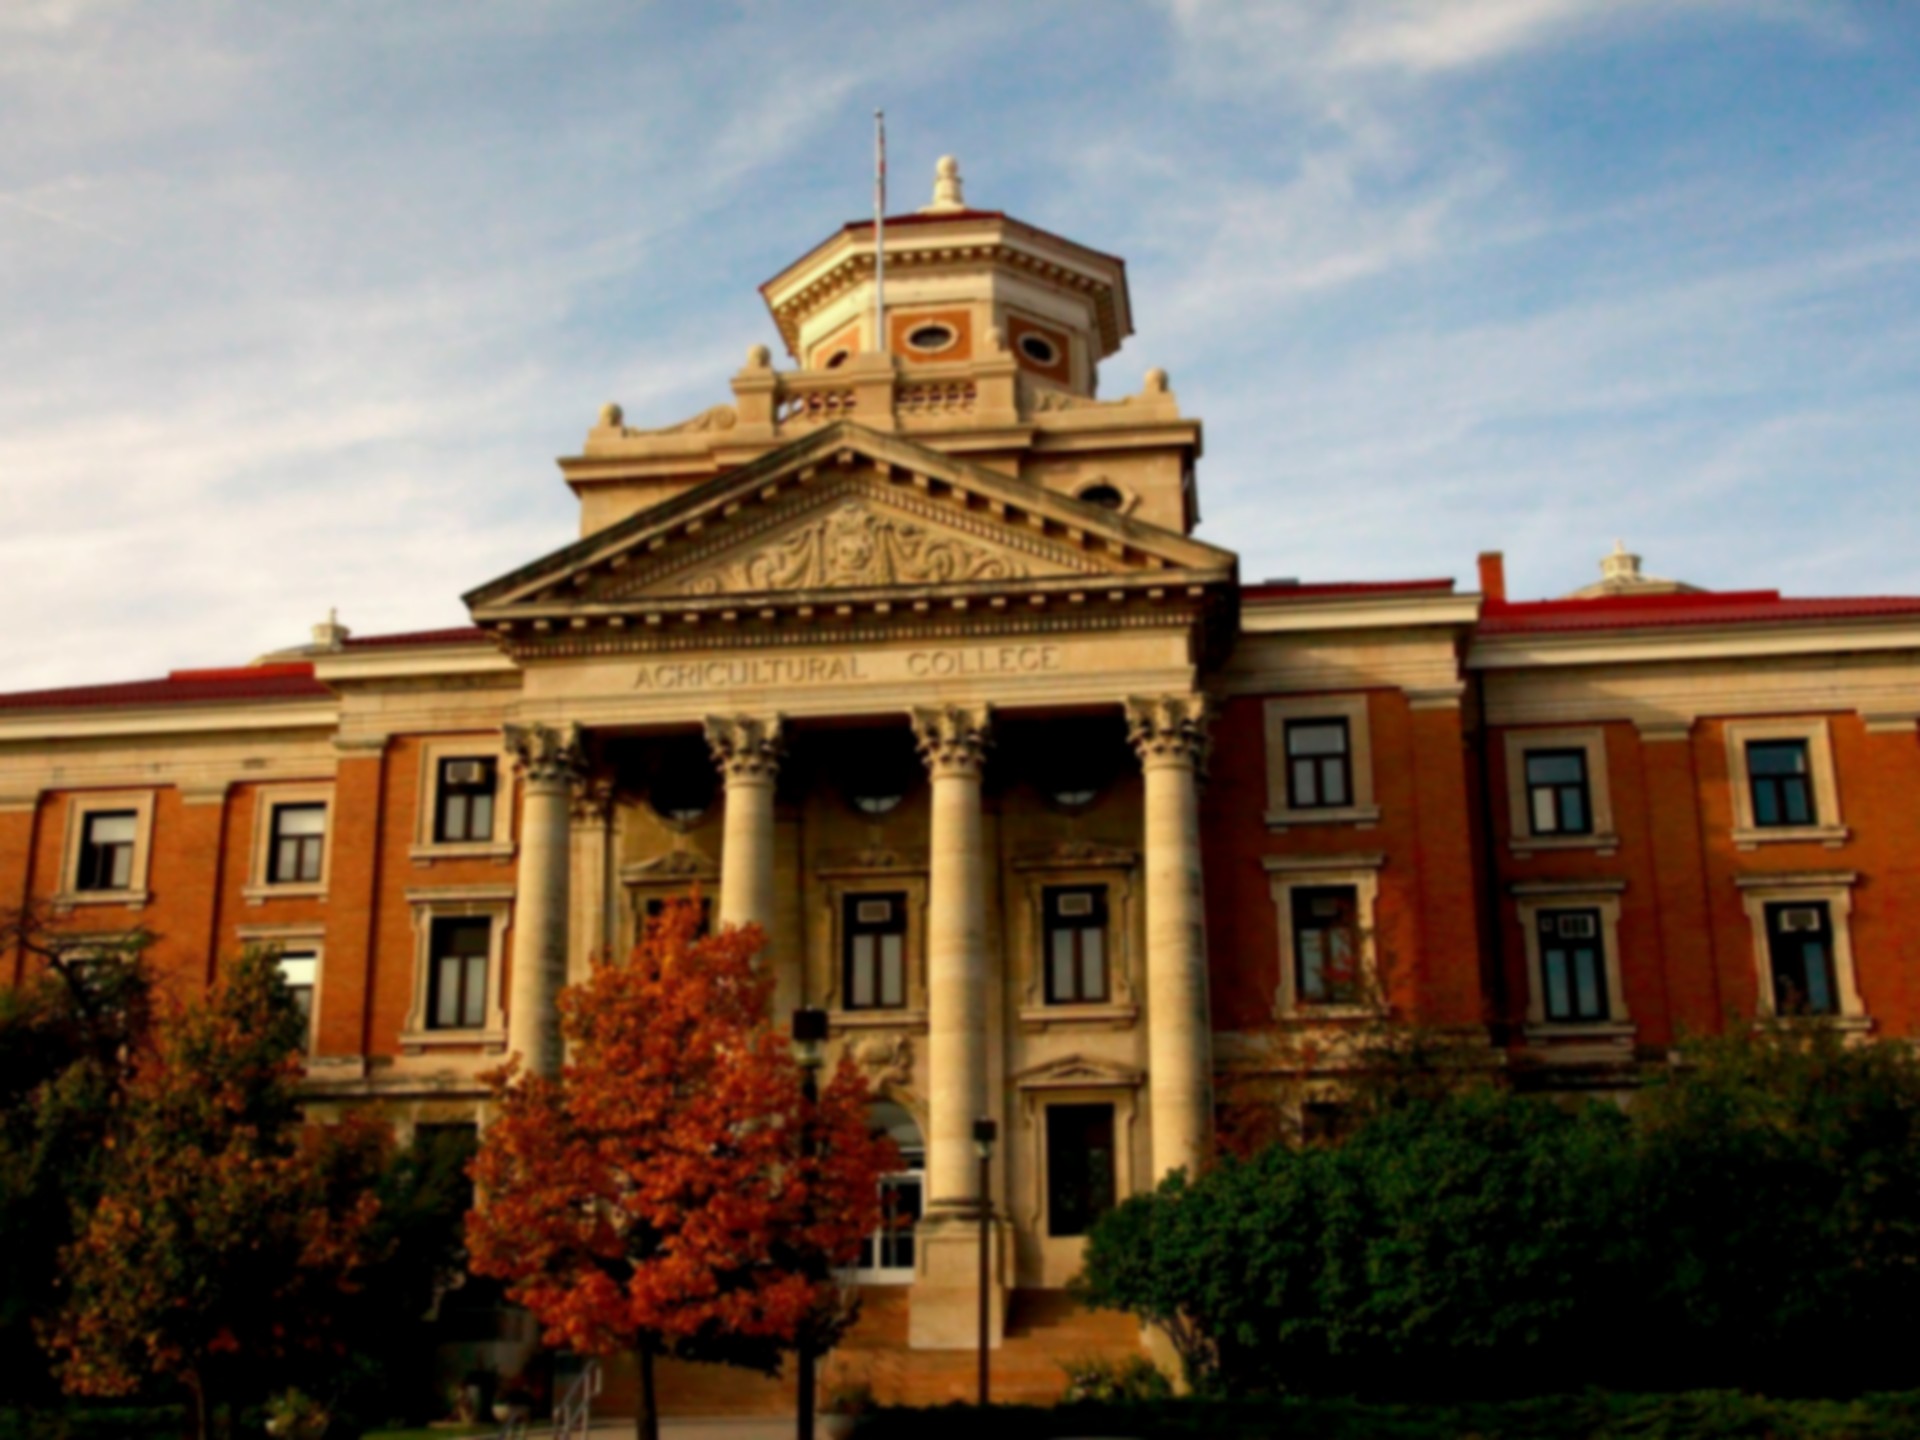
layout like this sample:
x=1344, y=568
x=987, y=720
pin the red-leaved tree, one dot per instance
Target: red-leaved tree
x=227, y=1229
x=672, y=1192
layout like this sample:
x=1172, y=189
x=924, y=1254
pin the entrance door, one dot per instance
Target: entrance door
x=886, y=1256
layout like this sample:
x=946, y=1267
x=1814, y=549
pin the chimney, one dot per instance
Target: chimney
x=1493, y=576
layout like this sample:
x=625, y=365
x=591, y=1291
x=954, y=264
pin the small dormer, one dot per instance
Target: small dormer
x=954, y=275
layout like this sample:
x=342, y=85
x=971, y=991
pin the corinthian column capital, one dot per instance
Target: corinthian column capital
x=746, y=747
x=1170, y=728
x=954, y=739
x=547, y=754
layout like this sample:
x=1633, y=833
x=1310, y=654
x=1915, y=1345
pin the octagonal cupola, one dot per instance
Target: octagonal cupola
x=960, y=284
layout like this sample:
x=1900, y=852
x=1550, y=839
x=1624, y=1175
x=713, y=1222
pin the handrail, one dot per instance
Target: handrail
x=573, y=1416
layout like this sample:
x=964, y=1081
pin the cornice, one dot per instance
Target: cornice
x=1718, y=642
x=86, y=723
x=1358, y=612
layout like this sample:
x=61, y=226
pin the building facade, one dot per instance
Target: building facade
x=910, y=655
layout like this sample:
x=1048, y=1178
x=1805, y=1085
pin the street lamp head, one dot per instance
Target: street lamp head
x=810, y=1037
x=985, y=1132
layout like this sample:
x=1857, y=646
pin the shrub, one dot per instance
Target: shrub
x=1754, y=1223
x=1099, y=1380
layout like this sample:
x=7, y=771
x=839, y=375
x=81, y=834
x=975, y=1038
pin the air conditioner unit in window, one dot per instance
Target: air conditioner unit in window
x=466, y=772
x=1577, y=927
x=1076, y=905
x=873, y=912
x=1800, y=919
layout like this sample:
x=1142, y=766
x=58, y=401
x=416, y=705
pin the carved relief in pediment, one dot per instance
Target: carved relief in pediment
x=854, y=544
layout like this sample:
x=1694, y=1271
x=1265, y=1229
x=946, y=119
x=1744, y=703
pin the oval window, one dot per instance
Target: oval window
x=1107, y=497
x=931, y=337
x=837, y=359
x=1039, y=349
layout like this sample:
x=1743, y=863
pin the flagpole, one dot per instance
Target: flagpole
x=880, y=231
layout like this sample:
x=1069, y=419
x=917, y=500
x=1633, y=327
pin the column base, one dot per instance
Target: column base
x=943, y=1308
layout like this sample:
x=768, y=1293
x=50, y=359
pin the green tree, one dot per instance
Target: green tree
x=69, y=1036
x=226, y=1229
x=1778, y=1210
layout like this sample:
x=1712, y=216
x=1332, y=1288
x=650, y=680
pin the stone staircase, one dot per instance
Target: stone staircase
x=1044, y=1327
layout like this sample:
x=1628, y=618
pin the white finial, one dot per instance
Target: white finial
x=947, y=195
x=330, y=634
x=1620, y=567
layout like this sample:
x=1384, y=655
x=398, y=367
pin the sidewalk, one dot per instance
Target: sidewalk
x=763, y=1427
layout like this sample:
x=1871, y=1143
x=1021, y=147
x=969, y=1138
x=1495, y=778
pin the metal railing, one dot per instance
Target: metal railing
x=572, y=1413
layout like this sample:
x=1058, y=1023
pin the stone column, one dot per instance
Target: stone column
x=747, y=750
x=942, y=1312
x=953, y=741
x=549, y=759
x=1169, y=732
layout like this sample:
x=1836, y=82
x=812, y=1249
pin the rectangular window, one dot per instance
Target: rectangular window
x=106, y=850
x=1080, y=1167
x=1558, y=800
x=301, y=970
x=299, y=836
x=458, y=972
x=1319, y=774
x=1326, y=945
x=1076, y=945
x=1573, y=966
x=1800, y=949
x=874, y=952
x=1781, y=780
x=656, y=906
x=464, y=810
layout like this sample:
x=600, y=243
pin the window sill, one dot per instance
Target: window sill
x=483, y=850
x=1604, y=845
x=902, y=1019
x=131, y=899
x=1362, y=817
x=412, y=1042
x=1846, y=1024
x=1107, y=1017
x=1549, y=1032
x=260, y=894
x=1327, y=1014
x=1831, y=836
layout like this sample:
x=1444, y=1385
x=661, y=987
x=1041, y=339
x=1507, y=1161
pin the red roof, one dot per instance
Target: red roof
x=458, y=635
x=181, y=687
x=1333, y=589
x=1686, y=608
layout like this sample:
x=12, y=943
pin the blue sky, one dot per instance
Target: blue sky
x=298, y=302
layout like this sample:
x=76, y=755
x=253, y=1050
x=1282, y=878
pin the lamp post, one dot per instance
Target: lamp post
x=809, y=1048
x=985, y=1132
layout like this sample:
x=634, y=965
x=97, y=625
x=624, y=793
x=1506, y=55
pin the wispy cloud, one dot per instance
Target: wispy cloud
x=296, y=309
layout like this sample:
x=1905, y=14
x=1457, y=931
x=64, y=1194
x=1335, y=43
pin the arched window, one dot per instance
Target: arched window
x=886, y=1256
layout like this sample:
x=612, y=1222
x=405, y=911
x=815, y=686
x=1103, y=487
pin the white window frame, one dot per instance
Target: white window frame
x=1592, y=742
x=1288, y=873
x=1834, y=889
x=1121, y=1007
x=267, y=799
x=1830, y=829
x=1600, y=895
x=455, y=902
x=79, y=807
x=1362, y=810
x=425, y=850
x=834, y=894
x=302, y=939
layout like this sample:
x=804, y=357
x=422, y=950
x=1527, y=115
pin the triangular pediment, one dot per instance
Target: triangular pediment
x=845, y=511
x=1072, y=1072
